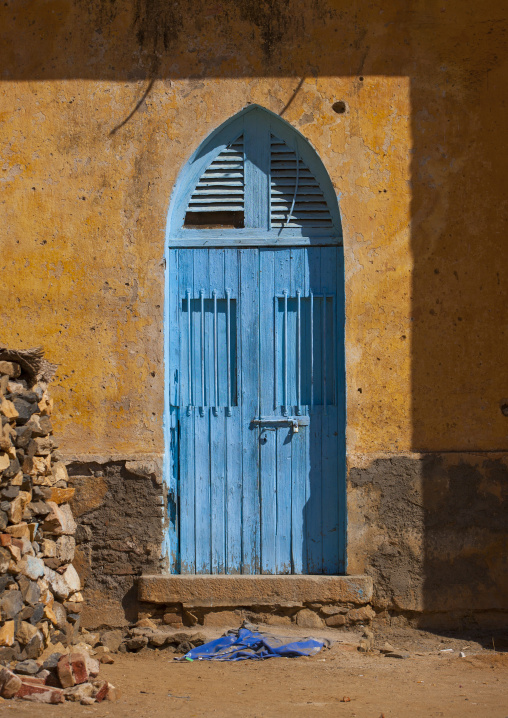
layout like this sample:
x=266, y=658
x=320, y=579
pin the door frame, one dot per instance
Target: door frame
x=177, y=238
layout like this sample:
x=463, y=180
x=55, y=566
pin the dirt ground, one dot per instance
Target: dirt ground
x=339, y=681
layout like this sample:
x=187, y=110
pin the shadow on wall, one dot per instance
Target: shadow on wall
x=459, y=319
x=454, y=496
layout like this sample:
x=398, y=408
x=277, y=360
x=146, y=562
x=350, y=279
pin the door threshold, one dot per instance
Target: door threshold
x=202, y=590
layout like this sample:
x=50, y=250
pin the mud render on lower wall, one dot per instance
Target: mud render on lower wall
x=430, y=530
x=119, y=508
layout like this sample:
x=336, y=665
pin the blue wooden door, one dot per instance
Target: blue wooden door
x=259, y=425
x=300, y=426
x=255, y=418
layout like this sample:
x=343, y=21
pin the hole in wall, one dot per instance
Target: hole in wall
x=339, y=107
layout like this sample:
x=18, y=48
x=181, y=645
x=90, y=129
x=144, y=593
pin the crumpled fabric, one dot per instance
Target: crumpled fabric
x=245, y=644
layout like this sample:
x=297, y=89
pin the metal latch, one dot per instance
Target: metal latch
x=292, y=421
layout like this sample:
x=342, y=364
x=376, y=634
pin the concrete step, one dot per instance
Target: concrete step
x=211, y=591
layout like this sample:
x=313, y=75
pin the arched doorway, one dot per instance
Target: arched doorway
x=255, y=393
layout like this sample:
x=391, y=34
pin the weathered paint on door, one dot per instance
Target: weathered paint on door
x=259, y=403
x=256, y=420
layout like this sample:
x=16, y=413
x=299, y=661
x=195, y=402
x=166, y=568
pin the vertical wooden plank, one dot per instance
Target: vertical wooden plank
x=187, y=473
x=201, y=424
x=267, y=438
x=217, y=429
x=299, y=440
x=291, y=338
x=234, y=451
x=330, y=477
x=298, y=500
x=313, y=529
x=249, y=339
x=282, y=281
x=257, y=170
x=172, y=371
x=341, y=406
x=174, y=313
x=306, y=460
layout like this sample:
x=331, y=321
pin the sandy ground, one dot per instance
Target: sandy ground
x=338, y=682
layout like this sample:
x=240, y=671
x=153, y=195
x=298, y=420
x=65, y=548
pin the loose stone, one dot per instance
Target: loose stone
x=39, y=693
x=32, y=568
x=60, y=520
x=27, y=668
x=12, y=369
x=11, y=604
x=72, y=670
x=77, y=693
x=365, y=613
x=308, y=619
x=9, y=683
x=332, y=610
x=7, y=634
x=111, y=640
x=105, y=691
x=24, y=409
x=26, y=631
x=336, y=621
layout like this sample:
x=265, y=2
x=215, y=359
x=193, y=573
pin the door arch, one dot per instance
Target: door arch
x=254, y=350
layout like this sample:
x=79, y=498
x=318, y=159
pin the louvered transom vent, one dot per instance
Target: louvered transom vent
x=296, y=197
x=218, y=199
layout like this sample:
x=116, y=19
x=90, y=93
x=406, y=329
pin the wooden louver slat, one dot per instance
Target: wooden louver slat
x=221, y=186
x=296, y=198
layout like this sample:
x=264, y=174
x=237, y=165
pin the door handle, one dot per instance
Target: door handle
x=294, y=422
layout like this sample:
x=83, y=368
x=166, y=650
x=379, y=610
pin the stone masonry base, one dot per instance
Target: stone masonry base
x=340, y=602
x=308, y=601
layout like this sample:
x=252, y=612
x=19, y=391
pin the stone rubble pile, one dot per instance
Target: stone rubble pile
x=40, y=599
x=68, y=676
x=147, y=633
x=144, y=634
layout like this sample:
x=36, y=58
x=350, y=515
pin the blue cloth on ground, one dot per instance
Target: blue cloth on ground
x=243, y=644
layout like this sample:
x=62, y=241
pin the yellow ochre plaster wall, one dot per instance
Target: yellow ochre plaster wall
x=85, y=216
x=86, y=180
